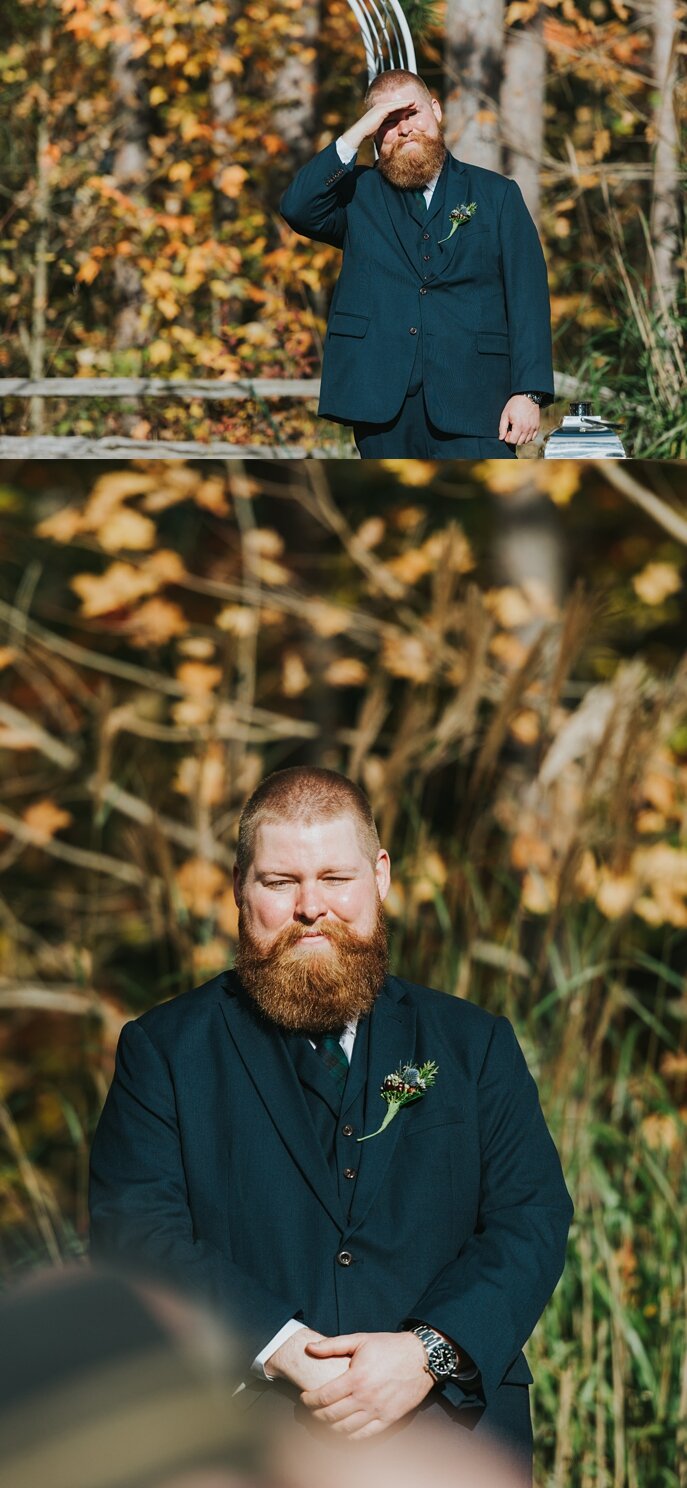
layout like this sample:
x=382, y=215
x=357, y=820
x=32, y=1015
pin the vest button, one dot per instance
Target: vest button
x=347, y=1130
x=349, y=1172
x=344, y=1258
x=425, y=257
x=425, y=235
x=413, y=330
x=423, y=290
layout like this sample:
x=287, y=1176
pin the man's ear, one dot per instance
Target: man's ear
x=237, y=887
x=436, y=110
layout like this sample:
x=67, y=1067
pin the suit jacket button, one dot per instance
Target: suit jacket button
x=344, y=1258
x=423, y=290
x=425, y=235
x=347, y=1130
x=413, y=330
x=349, y=1172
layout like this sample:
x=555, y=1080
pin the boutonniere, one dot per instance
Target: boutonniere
x=459, y=215
x=406, y=1084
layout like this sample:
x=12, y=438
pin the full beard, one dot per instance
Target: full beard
x=314, y=990
x=408, y=166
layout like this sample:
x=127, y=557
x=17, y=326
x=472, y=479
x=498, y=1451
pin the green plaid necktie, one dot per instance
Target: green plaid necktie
x=331, y=1052
x=420, y=197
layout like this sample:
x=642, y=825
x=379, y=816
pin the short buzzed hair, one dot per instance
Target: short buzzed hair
x=395, y=77
x=304, y=793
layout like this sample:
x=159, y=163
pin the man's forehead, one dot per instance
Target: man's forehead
x=295, y=836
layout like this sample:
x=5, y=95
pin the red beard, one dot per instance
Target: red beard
x=318, y=990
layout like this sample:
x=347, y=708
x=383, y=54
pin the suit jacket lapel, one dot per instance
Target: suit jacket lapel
x=270, y=1067
x=456, y=190
x=391, y=1042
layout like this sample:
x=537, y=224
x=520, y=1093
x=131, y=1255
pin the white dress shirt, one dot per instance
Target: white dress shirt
x=346, y=154
x=347, y=1041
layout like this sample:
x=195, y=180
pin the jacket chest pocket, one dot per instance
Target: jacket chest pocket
x=344, y=323
x=448, y=1117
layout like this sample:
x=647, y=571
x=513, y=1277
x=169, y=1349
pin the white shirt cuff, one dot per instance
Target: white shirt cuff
x=345, y=152
x=258, y=1365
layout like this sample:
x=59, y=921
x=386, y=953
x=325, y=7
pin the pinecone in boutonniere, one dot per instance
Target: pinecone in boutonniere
x=408, y=1083
x=459, y=215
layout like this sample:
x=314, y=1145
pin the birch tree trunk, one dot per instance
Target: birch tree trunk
x=522, y=108
x=664, y=219
x=473, y=59
x=129, y=170
x=294, y=112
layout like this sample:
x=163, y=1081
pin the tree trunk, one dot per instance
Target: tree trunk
x=473, y=59
x=294, y=112
x=129, y=170
x=666, y=179
x=522, y=108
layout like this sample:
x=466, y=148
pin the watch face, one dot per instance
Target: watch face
x=441, y=1359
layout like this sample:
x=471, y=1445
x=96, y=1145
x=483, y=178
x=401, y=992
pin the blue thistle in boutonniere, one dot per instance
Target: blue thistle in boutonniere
x=459, y=215
x=406, y=1084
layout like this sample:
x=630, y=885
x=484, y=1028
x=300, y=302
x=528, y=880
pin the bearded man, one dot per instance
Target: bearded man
x=439, y=334
x=375, y=1275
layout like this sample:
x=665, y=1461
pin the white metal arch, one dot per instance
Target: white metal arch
x=386, y=35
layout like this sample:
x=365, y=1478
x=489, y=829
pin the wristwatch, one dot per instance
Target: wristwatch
x=442, y=1358
x=537, y=398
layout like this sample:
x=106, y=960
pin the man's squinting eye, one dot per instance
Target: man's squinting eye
x=277, y=883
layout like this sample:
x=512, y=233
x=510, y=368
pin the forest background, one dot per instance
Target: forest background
x=145, y=145
x=497, y=654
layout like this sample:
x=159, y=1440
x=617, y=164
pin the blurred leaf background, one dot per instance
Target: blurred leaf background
x=498, y=656
x=146, y=144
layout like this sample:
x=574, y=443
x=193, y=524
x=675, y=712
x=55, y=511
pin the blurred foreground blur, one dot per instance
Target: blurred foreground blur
x=107, y=1382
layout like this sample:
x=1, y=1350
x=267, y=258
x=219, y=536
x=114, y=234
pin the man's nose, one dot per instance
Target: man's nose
x=310, y=902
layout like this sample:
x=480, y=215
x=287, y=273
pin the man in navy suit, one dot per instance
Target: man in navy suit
x=372, y=1281
x=439, y=334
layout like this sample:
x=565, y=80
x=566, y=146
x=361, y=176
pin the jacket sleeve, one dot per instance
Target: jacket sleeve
x=315, y=202
x=491, y=1296
x=140, y=1216
x=527, y=298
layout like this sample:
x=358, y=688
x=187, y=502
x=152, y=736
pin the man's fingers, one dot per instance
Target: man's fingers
x=339, y=1411
x=343, y=1343
x=355, y=1425
x=328, y=1394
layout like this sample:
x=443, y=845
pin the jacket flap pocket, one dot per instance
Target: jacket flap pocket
x=423, y=1120
x=519, y=1372
x=344, y=323
x=493, y=341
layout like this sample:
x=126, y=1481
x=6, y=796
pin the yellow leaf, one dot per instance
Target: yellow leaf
x=412, y=472
x=198, y=678
x=180, y=170
x=63, y=525
x=45, y=818
x=205, y=778
x=294, y=678
x=346, y=671
x=199, y=883
x=656, y=582
x=157, y=95
x=159, y=352
x=127, y=529
x=177, y=52
x=232, y=179
x=155, y=622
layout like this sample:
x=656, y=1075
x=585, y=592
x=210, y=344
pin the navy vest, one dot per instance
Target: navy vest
x=322, y=1095
x=424, y=234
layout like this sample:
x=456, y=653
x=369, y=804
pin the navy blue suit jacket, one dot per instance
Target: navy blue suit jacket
x=480, y=299
x=207, y=1167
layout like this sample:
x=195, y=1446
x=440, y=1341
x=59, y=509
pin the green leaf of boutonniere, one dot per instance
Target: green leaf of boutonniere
x=407, y=1083
x=458, y=216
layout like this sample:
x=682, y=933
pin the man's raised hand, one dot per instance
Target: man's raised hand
x=386, y=1379
x=367, y=127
